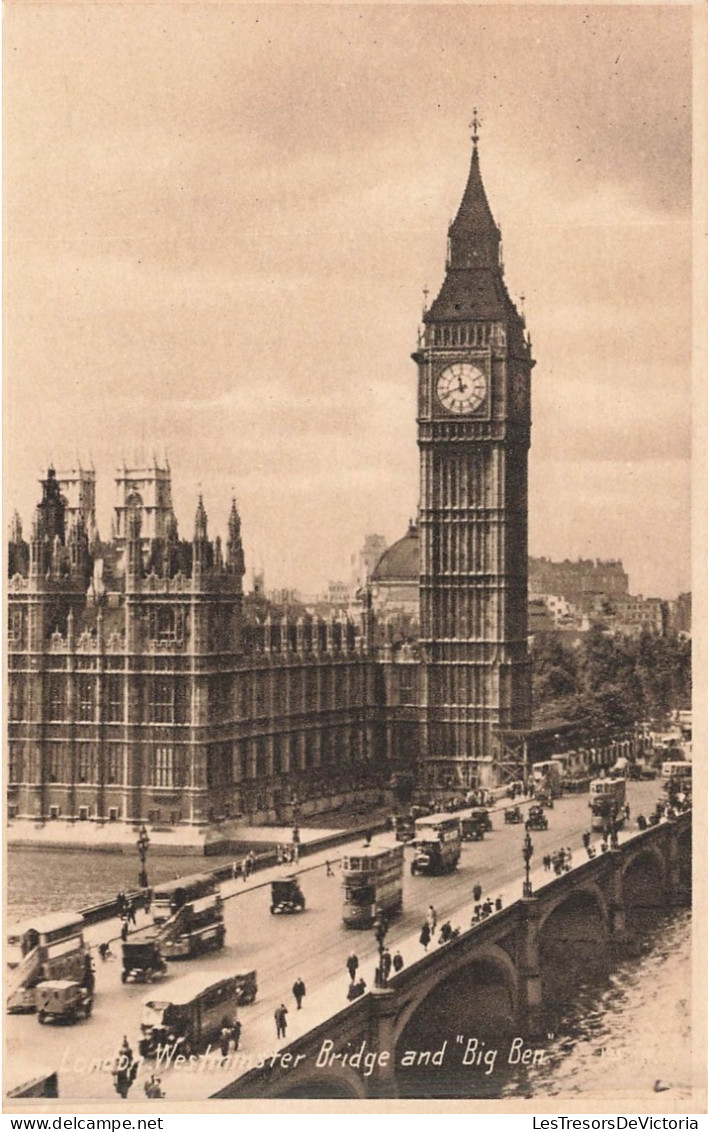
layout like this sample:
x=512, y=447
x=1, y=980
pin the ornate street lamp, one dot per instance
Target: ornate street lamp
x=143, y=845
x=527, y=854
x=380, y=928
x=295, y=803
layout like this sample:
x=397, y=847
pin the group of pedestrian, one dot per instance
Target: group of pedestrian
x=559, y=862
x=244, y=868
x=286, y=854
x=484, y=909
x=229, y=1036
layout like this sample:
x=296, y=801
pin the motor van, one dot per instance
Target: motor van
x=187, y=1015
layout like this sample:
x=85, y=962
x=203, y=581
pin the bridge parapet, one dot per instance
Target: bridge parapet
x=354, y=1053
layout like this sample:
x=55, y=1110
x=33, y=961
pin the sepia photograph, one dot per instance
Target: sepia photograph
x=348, y=596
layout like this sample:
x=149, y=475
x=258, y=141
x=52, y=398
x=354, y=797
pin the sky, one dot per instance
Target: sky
x=220, y=219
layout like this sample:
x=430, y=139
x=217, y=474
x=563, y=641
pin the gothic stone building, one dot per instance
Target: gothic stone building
x=140, y=687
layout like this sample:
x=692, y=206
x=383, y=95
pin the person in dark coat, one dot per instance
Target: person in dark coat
x=299, y=992
x=477, y=893
x=281, y=1020
x=386, y=963
x=425, y=935
x=236, y=1033
x=397, y=962
x=352, y=965
x=124, y=930
x=225, y=1037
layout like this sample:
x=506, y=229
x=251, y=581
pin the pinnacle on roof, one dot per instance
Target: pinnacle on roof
x=200, y=520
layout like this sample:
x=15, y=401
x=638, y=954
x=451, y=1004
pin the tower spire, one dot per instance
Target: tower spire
x=474, y=126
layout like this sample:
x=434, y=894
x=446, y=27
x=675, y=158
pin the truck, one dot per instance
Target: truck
x=438, y=844
x=189, y=1014
x=547, y=778
x=607, y=801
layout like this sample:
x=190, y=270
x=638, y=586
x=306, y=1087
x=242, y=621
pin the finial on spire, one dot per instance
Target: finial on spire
x=474, y=126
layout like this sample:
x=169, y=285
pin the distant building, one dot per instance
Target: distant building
x=580, y=582
x=682, y=614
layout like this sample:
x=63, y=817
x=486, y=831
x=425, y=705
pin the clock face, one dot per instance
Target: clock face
x=462, y=387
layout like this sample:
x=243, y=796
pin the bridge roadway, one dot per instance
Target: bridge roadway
x=314, y=945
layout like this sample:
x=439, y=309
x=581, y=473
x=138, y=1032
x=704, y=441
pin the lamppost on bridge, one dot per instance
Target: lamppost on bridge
x=295, y=803
x=380, y=929
x=527, y=854
x=143, y=844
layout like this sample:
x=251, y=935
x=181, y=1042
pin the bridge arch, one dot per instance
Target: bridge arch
x=488, y=957
x=331, y=1083
x=590, y=891
x=476, y=993
x=572, y=944
x=644, y=878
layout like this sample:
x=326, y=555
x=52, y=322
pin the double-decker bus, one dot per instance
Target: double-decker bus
x=438, y=844
x=607, y=800
x=189, y=916
x=373, y=883
x=47, y=947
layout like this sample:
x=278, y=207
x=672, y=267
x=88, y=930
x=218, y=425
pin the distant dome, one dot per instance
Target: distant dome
x=400, y=562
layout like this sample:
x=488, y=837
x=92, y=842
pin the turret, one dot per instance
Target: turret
x=201, y=541
x=234, y=548
x=133, y=549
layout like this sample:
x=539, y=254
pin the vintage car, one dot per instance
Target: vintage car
x=62, y=1000
x=513, y=815
x=286, y=896
x=482, y=815
x=537, y=818
x=142, y=958
x=472, y=829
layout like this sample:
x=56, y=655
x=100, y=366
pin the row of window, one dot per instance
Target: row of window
x=167, y=766
x=167, y=698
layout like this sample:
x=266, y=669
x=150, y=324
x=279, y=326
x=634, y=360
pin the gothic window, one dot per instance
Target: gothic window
x=54, y=762
x=85, y=763
x=261, y=760
x=163, y=770
x=57, y=699
x=114, y=699
x=163, y=700
x=16, y=627
x=114, y=764
x=277, y=754
x=85, y=699
x=407, y=685
x=309, y=750
x=17, y=697
x=15, y=763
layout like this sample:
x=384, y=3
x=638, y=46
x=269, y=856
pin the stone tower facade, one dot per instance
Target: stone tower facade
x=474, y=368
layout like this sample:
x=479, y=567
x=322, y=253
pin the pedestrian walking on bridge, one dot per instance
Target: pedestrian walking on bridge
x=281, y=1021
x=352, y=965
x=299, y=992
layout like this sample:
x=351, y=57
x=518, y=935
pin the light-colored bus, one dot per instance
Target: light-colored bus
x=607, y=801
x=438, y=844
x=547, y=777
x=678, y=776
x=189, y=915
x=373, y=882
x=46, y=947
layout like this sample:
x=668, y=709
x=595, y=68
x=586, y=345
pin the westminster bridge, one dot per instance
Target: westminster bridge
x=493, y=989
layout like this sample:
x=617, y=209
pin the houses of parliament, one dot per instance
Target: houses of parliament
x=144, y=686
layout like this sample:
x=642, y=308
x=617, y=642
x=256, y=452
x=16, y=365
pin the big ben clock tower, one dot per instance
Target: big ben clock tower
x=474, y=420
